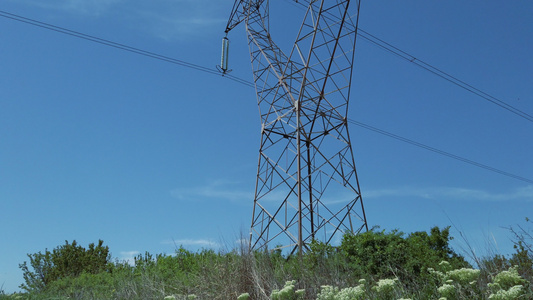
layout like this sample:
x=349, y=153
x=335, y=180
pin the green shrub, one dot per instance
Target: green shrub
x=66, y=261
x=84, y=286
x=375, y=252
x=428, y=250
x=384, y=255
x=206, y=274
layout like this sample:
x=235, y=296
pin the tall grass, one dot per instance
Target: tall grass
x=394, y=269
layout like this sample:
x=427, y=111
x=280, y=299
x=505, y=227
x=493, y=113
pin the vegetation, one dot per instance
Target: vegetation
x=67, y=261
x=372, y=265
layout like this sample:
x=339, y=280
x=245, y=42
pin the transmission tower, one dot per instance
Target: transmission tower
x=307, y=187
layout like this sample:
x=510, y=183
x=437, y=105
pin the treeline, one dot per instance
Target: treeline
x=372, y=265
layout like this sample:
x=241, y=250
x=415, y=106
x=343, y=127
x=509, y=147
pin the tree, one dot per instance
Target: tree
x=69, y=260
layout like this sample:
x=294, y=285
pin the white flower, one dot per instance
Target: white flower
x=464, y=275
x=386, y=287
x=447, y=290
x=327, y=292
x=507, y=279
x=513, y=293
x=351, y=293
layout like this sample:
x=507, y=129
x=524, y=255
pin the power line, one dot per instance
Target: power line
x=434, y=70
x=361, y=33
x=369, y=37
x=446, y=76
x=438, y=151
x=120, y=46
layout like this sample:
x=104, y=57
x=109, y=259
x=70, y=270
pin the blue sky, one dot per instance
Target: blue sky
x=99, y=143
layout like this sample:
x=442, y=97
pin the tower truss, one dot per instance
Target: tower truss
x=307, y=187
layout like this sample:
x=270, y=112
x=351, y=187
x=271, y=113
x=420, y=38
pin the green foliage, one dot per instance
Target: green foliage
x=523, y=260
x=320, y=254
x=392, y=254
x=84, y=286
x=66, y=261
x=421, y=265
x=427, y=250
x=375, y=252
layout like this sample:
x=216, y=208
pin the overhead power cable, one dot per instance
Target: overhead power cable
x=446, y=76
x=438, y=151
x=361, y=33
x=120, y=46
x=251, y=84
x=434, y=70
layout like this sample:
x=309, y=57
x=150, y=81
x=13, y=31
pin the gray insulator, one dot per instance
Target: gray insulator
x=225, y=53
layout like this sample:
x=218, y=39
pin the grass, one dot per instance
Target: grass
x=392, y=268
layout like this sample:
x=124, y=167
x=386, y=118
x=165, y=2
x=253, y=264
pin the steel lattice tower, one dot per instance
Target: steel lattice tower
x=307, y=187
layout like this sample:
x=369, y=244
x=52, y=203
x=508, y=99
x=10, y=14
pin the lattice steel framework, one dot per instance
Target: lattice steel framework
x=307, y=186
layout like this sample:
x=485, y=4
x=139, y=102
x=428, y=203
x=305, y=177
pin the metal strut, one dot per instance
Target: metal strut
x=307, y=187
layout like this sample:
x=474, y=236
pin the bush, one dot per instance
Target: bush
x=386, y=255
x=375, y=252
x=67, y=261
x=355, y=270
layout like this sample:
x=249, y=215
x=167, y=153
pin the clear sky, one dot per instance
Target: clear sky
x=100, y=143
